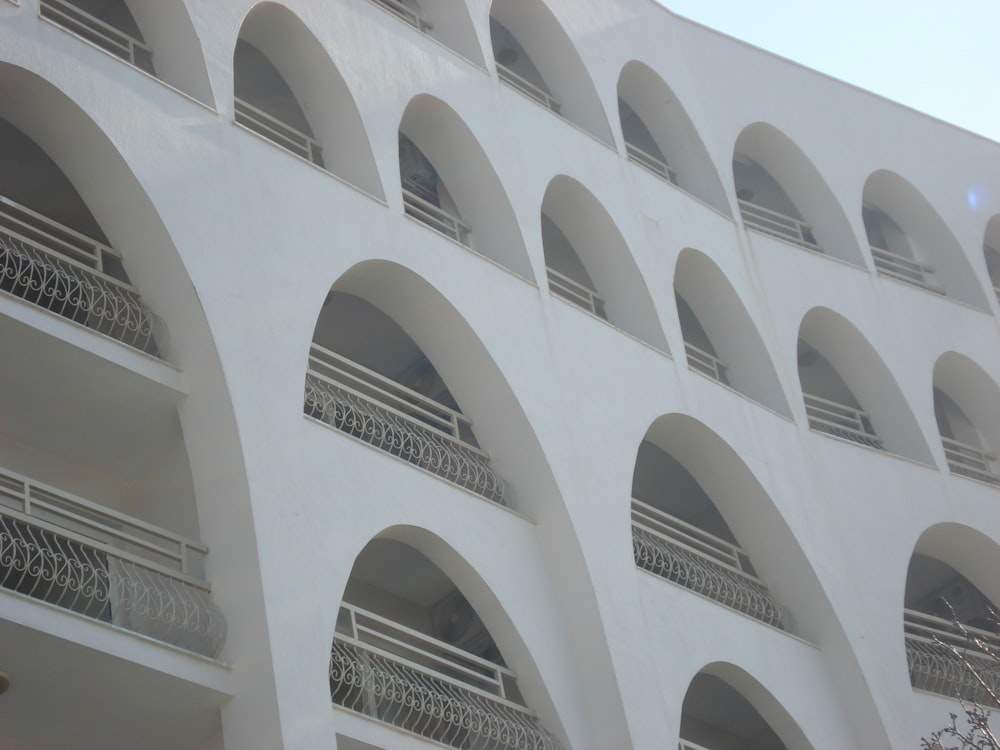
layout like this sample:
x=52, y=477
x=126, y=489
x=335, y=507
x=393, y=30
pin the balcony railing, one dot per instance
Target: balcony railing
x=686, y=555
x=96, y=31
x=841, y=421
x=970, y=461
x=779, y=225
x=50, y=265
x=903, y=269
x=935, y=649
x=399, y=421
x=411, y=16
x=405, y=678
x=688, y=745
x=435, y=217
x=573, y=291
x=654, y=164
x=528, y=88
x=278, y=132
x=103, y=564
x=706, y=363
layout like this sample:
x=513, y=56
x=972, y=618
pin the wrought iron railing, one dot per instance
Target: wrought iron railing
x=395, y=674
x=411, y=16
x=573, y=291
x=98, y=562
x=528, y=88
x=654, y=164
x=840, y=420
x=706, y=363
x=436, y=217
x=94, y=30
x=951, y=659
x=777, y=224
x=399, y=421
x=52, y=266
x=691, y=557
x=904, y=269
x=970, y=461
x=278, y=132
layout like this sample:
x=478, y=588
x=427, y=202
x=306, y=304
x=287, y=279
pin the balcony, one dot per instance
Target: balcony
x=280, y=133
x=970, y=461
x=942, y=655
x=411, y=16
x=527, y=88
x=399, y=421
x=57, y=268
x=778, y=225
x=840, y=420
x=652, y=163
x=423, y=685
x=105, y=565
x=435, y=217
x=904, y=269
x=706, y=363
x=573, y=291
x=686, y=555
x=96, y=31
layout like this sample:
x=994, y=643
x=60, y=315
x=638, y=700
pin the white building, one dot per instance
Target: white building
x=650, y=383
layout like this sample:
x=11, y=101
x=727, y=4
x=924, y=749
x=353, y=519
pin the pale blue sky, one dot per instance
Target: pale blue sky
x=942, y=58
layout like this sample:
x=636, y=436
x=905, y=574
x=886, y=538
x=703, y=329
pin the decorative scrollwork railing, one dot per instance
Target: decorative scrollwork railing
x=841, y=421
x=52, y=266
x=422, y=685
x=970, y=461
x=399, y=421
x=573, y=291
x=277, y=131
x=777, y=224
x=706, y=363
x=97, y=562
x=935, y=649
x=686, y=555
x=528, y=88
x=94, y=30
x=904, y=269
x=654, y=164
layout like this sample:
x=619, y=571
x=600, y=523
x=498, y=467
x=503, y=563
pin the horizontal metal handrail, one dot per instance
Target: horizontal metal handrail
x=705, y=362
x=654, y=164
x=840, y=420
x=971, y=461
x=528, y=88
x=93, y=29
x=573, y=291
x=901, y=268
x=278, y=131
x=435, y=217
x=412, y=17
x=688, y=745
x=779, y=225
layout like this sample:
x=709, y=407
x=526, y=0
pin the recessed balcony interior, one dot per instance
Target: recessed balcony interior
x=568, y=278
x=701, y=355
x=425, y=197
x=106, y=23
x=410, y=650
x=894, y=254
x=950, y=629
x=767, y=208
x=716, y=716
x=640, y=144
x=679, y=535
x=964, y=446
x=993, y=265
x=516, y=68
x=369, y=379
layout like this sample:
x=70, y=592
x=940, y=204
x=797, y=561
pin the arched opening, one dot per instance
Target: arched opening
x=410, y=650
x=660, y=136
x=720, y=339
x=287, y=90
x=991, y=250
x=848, y=391
x=589, y=265
x=910, y=242
x=768, y=168
x=535, y=56
x=446, y=21
x=950, y=624
x=967, y=409
x=449, y=185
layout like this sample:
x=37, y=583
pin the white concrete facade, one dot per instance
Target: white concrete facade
x=247, y=253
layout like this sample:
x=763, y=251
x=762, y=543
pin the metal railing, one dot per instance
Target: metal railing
x=777, y=224
x=970, y=461
x=841, y=421
x=686, y=555
x=396, y=674
x=435, y=217
x=654, y=164
x=96, y=31
x=935, y=649
x=903, y=269
x=705, y=363
x=95, y=561
x=278, y=132
x=688, y=745
x=411, y=16
x=528, y=88
x=573, y=291
x=52, y=266
x=399, y=421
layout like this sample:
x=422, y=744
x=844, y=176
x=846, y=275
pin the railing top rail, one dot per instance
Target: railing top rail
x=533, y=90
x=699, y=352
x=551, y=272
x=965, y=448
x=727, y=550
x=408, y=194
x=688, y=745
x=942, y=627
x=102, y=26
x=411, y=16
x=648, y=160
x=756, y=208
x=288, y=134
x=889, y=255
x=835, y=406
x=88, y=245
